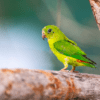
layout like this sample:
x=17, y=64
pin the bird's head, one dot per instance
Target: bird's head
x=49, y=31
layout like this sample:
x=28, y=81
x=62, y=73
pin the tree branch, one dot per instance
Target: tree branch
x=25, y=84
x=95, y=5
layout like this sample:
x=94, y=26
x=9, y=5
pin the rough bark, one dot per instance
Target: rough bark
x=25, y=84
x=95, y=5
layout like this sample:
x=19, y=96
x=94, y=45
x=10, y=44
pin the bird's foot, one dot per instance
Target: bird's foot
x=64, y=70
x=73, y=71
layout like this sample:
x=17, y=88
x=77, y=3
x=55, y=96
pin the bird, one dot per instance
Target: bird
x=66, y=50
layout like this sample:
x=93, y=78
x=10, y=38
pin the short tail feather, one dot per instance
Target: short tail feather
x=91, y=61
x=90, y=64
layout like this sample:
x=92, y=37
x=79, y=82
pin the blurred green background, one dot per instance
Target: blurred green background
x=21, y=22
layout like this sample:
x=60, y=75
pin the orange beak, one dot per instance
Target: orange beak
x=43, y=36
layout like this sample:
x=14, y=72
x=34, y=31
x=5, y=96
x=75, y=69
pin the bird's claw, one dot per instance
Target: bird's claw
x=64, y=70
x=73, y=71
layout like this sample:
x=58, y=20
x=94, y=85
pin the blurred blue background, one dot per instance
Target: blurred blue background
x=21, y=22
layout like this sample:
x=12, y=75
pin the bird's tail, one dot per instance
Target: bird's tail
x=91, y=63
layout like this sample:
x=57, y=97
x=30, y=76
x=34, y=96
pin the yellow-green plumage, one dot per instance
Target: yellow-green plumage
x=65, y=49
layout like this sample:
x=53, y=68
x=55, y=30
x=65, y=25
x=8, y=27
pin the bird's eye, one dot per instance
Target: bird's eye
x=49, y=30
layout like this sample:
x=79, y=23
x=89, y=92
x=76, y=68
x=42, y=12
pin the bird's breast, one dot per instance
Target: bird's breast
x=60, y=56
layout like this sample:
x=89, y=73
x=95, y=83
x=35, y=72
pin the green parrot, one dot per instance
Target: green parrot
x=65, y=49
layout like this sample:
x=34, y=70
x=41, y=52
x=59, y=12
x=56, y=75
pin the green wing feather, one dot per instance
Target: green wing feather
x=69, y=49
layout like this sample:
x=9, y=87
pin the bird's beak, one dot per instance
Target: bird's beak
x=43, y=35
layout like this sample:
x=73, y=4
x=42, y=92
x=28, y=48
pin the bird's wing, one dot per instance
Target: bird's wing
x=69, y=49
x=69, y=40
